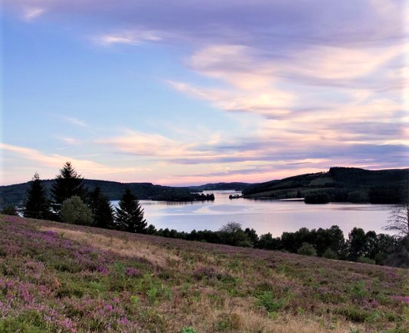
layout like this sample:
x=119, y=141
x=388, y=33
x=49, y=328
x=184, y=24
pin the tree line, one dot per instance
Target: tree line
x=72, y=202
x=360, y=246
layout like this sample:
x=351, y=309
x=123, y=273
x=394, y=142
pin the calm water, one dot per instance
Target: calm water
x=264, y=216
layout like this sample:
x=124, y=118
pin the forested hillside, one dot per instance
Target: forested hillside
x=16, y=194
x=339, y=185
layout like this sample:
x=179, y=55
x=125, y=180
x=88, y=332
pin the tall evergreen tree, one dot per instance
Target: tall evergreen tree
x=66, y=185
x=129, y=214
x=37, y=205
x=101, y=208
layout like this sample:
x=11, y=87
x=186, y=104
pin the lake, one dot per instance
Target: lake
x=274, y=216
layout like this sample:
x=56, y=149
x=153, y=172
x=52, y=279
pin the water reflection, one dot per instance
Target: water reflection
x=263, y=215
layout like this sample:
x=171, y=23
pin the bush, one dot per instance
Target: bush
x=307, y=250
x=9, y=210
x=74, y=211
x=366, y=260
x=329, y=254
x=269, y=302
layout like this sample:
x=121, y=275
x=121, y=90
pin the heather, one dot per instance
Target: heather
x=67, y=278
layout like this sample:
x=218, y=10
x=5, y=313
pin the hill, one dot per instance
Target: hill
x=340, y=185
x=63, y=278
x=16, y=194
x=235, y=186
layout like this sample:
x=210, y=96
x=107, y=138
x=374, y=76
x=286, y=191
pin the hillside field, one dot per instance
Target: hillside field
x=57, y=277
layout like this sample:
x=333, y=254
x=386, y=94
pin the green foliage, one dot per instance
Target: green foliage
x=27, y=322
x=129, y=214
x=134, y=299
x=188, y=330
x=354, y=314
x=366, y=260
x=9, y=210
x=233, y=234
x=307, y=250
x=227, y=322
x=269, y=302
x=152, y=295
x=74, y=211
x=37, y=205
x=329, y=254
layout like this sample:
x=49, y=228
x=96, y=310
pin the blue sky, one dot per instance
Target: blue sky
x=189, y=92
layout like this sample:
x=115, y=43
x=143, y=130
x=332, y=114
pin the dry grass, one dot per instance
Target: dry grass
x=236, y=314
x=123, y=246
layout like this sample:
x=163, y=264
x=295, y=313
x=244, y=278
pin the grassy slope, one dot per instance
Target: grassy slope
x=62, y=278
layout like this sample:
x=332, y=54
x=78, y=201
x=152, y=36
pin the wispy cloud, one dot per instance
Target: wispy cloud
x=75, y=121
x=71, y=141
x=31, y=13
x=130, y=37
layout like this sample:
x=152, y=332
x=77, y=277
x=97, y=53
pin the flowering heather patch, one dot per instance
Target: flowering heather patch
x=63, y=278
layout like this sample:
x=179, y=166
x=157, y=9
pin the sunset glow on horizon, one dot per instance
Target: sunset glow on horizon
x=193, y=92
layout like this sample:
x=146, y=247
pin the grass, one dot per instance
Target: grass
x=64, y=278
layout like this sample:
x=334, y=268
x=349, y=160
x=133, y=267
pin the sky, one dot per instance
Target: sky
x=183, y=92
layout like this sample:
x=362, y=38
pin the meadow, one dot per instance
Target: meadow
x=58, y=277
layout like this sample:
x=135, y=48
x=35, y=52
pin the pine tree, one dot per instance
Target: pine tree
x=66, y=185
x=101, y=208
x=129, y=214
x=37, y=205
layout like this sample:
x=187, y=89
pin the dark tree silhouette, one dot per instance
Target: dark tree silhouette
x=357, y=243
x=129, y=214
x=37, y=205
x=66, y=185
x=101, y=208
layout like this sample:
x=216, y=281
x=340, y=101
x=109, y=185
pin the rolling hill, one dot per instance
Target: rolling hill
x=340, y=184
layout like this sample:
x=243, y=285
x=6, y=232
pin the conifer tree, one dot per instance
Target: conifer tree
x=101, y=208
x=129, y=214
x=37, y=205
x=66, y=185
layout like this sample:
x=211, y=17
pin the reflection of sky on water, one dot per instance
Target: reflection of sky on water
x=264, y=215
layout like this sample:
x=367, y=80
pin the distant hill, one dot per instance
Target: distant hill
x=235, y=186
x=340, y=184
x=16, y=194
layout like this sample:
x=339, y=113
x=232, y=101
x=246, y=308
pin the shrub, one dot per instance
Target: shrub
x=269, y=302
x=9, y=210
x=366, y=260
x=307, y=250
x=329, y=254
x=74, y=211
